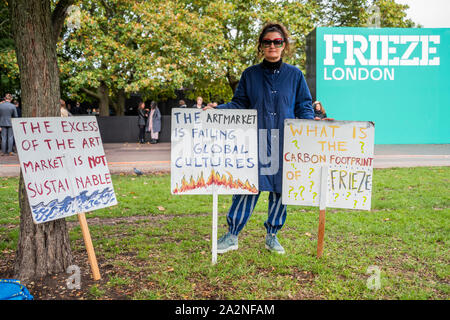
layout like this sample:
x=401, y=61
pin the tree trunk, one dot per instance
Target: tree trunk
x=233, y=83
x=104, y=100
x=119, y=106
x=42, y=249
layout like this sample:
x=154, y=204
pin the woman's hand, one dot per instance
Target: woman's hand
x=210, y=106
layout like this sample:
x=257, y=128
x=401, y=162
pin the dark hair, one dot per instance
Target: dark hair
x=322, y=109
x=275, y=27
x=153, y=104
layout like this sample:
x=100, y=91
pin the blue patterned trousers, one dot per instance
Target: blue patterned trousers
x=242, y=208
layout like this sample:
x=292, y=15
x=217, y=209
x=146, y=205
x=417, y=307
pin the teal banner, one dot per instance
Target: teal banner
x=398, y=78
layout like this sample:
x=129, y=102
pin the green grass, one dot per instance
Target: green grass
x=165, y=253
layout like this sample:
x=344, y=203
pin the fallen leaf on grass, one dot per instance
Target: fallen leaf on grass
x=161, y=208
x=308, y=234
x=170, y=269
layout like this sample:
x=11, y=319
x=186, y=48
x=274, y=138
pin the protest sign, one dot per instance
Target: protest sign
x=63, y=165
x=214, y=150
x=346, y=147
x=328, y=164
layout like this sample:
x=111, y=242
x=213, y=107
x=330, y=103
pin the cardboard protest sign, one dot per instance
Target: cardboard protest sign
x=214, y=149
x=63, y=165
x=346, y=147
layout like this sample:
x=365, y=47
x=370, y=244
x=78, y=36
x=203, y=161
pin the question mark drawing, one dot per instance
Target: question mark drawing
x=314, y=196
x=365, y=199
x=335, y=198
x=311, y=170
x=295, y=142
x=362, y=146
x=310, y=188
x=289, y=193
x=295, y=195
x=348, y=195
x=356, y=201
x=302, y=188
x=293, y=166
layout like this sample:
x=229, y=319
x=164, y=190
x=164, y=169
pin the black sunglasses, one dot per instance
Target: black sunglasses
x=278, y=43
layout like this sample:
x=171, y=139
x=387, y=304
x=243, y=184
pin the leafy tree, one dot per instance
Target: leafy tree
x=124, y=46
x=155, y=47
x=9, y=71
x=355, y=13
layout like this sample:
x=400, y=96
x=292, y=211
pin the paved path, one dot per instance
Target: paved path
x=123, y=157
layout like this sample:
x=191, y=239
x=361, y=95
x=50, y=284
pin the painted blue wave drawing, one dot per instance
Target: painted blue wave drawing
x=70, y=205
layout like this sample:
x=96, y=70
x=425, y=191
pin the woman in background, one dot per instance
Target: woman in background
x=154, y=122
x=63, y=109
x=319, y=111
x=199, y=104
x=142, y=121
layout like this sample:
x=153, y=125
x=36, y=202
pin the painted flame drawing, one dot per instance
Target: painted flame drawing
x=214, y=178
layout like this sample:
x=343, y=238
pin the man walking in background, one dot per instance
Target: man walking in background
x=7, y=111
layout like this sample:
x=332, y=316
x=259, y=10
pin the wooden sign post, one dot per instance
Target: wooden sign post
x=214, y=228
x=322, y=208
x=328, y=164
x=89, y=247
x=65, y=170
x=214, y=152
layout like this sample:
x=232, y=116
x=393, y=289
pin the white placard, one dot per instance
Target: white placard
x=346, y=147
x=63, y=165
x=214, y=149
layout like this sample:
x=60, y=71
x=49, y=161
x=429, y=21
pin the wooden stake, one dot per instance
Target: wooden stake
x=322, y=207
x=321, y=233
x=89, y=246
x=214, y=227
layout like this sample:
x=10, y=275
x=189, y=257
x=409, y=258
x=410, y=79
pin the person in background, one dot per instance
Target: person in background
x=319, y=111
x=142, y=121
x=278, y=91
x=199, y=104
x=154, y=122
x=63, y=109
x=18, y=108
x=76, y=109
x=7, y=111
x=182, y=104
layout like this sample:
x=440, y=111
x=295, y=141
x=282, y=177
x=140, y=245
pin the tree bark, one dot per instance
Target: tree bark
x=104, y=100
x=233, y=83
x=44, y=248
x=119, y=106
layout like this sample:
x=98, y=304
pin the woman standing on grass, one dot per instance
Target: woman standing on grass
x=278, y=91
